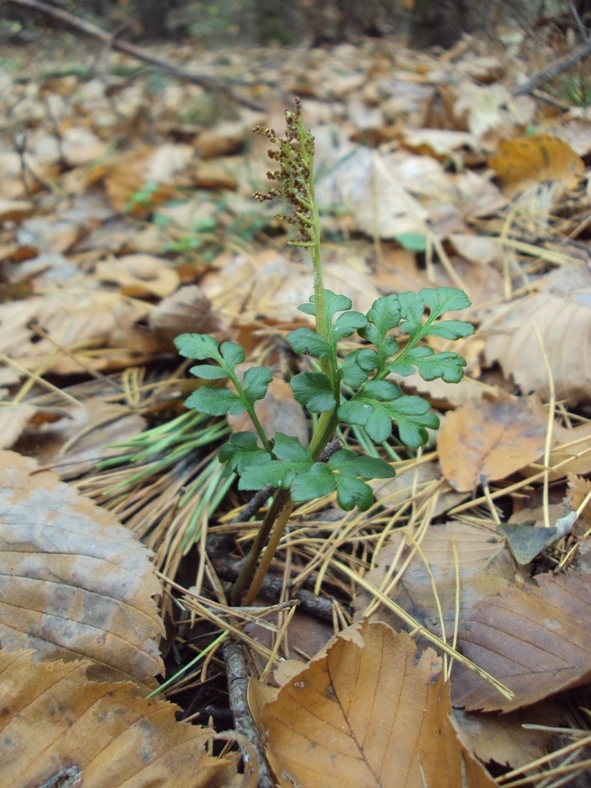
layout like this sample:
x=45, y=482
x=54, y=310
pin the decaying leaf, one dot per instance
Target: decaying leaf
x=187, y=311
x=368, y=713
x=526, y=541
x=140, y=275
x=491, y=438
x=483, y=564
x=502, y=738
x=75, y=437
x=564, y=325
x=535, y=639
x=77, y=320
x=74, y=582
x=579, y=488
x=56, y=722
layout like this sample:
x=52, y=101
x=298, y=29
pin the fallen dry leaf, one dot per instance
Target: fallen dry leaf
x=187, y=311
x=80, y=321
x=484, y=564
x=79, y=436
x=140, y=275
x=525, y=161
x=564, y=325
x=579, y=488
x=56, y=723
x=366, y=713
x=491, y=439
x=536, y=640
x=504, y=739
x=75, y=583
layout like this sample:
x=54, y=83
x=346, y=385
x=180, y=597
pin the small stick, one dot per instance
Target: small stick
x=139, y=53
x=554, y=69
x=243, y=722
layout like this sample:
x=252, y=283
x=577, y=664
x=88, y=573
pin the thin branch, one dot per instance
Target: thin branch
x=243, y=722
x=139, y=53
x=554, y=69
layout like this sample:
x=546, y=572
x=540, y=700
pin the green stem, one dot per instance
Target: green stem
x=251, y=411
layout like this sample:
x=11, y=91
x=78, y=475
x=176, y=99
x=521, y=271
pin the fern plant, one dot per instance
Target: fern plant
x=301, y=473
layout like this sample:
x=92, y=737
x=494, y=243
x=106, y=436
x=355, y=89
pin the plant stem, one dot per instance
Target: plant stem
x=280, y=501
x=269, y=554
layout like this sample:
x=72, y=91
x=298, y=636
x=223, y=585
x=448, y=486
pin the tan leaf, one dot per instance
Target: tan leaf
x=504, y=739
x=535, y=639
x=13, y=420
x=188, y=310
x=72, y=318
x=14, y=210
x=564, y=324
x=78, y=437
x=484, y=564
x=366, y=713
x=81, y=146
x=54, y=719
x=146, y=274
x=491, y=438
x=541, y=157
x=74, y=582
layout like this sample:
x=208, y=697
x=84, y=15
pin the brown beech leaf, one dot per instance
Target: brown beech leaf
x=89, y=318
x=491, y=438
x=504, y=739
x=76, y=437
x=564, y=325
x=535, y=639
x=368, y=712
x=74, y=582
x=56, y=723
x=485, y=567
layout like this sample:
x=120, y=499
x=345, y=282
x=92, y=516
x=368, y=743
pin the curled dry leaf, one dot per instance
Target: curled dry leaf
x=56, y=722
x=368, y=712
x=484, y=564
x=564, y=325
x=13, y=420
x=579, y=488
x=535, y=639
x=491, y=438
x=15, y=210
x=74, y=582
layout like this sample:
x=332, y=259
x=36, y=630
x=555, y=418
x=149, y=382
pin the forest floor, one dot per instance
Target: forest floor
x=442, y=635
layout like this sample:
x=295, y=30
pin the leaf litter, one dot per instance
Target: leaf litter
x=112, y=251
